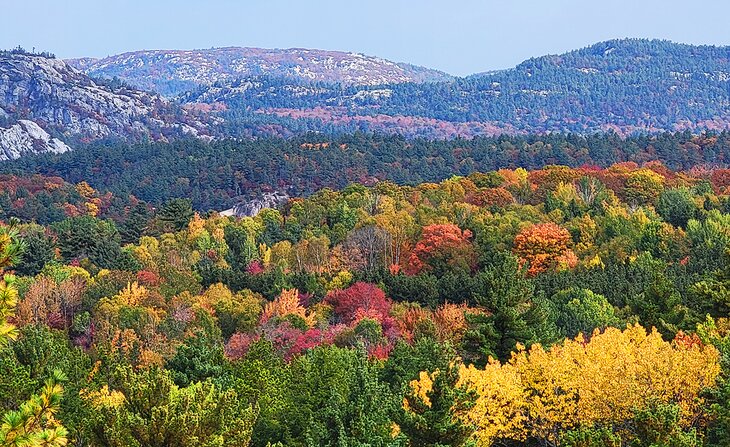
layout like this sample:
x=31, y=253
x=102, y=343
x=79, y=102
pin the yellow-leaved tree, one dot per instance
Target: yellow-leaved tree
x=540, y=394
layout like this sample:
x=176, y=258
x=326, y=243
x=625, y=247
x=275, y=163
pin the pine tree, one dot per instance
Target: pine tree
x=433, y=418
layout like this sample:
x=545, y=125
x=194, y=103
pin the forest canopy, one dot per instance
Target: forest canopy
x=572, y=306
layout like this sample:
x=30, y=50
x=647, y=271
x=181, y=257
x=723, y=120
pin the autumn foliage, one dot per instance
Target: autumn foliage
x=539, y=392
x=442, y=247
x=544, y=247
x=360, y=299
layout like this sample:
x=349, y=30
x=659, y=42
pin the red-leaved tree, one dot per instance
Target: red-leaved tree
x=442, y=248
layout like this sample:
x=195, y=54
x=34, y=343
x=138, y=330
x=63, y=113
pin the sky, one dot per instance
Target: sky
x=459, y=37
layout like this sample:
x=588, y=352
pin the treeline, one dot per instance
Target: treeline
x=216, y=175
x=559, y=306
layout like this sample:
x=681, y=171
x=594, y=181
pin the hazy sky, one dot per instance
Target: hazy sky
x=457, y=36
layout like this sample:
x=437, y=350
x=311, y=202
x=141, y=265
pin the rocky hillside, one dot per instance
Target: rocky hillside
x=26, y=137
x=41, y=95
x=627, y=86
x=173, y=71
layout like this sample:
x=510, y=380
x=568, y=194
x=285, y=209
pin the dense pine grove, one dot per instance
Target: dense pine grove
x=215, y=175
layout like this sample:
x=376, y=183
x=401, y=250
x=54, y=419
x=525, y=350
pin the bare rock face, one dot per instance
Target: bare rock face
x=26, y=137
x=171, y=72
x=68, y=103
x=252, y=207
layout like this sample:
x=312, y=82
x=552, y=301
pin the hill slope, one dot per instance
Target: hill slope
x=42, y=95
x=623, y=85
x=173, y=71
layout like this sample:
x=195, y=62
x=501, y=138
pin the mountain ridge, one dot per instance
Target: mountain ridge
x=624, y=85
x=171, y=72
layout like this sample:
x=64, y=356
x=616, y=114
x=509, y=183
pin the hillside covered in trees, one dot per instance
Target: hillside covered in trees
x=557, y=306
x=216, y=175
x=625, y=85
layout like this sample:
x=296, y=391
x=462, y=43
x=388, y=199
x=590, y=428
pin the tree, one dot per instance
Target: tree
x=337, y=398
x=360, y=299
x=147, y=409
x=582, y=311
x=11, y=250
x=175, y=214
x=643, y=187
x=40, y=250
x=544, y=247
x=515, y=315
x=35, y=422
x=677, y=206
x=434, y=410
x=442, y=248
x=285, y=305
x=659, y=425
x=659, y=304
x=198, y=358
x=538, y=394
x=135, y=223
x=87, y=237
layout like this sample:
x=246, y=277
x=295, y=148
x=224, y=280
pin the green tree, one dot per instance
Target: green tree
x=436, y=422
x=135, y=224
x=40, y=250
x=35, y=422
x=175, y=214
x=659, y=426
x=677, y=206
x=659, y=305
x=517, y=314
x=337, y=399
x=86, y=237
x=581, y=310
x=147, y=409
x=591, y=437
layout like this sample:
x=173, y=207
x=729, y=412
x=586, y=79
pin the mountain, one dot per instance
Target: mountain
x=170, y=72
x=623, y=85
x=42, y=97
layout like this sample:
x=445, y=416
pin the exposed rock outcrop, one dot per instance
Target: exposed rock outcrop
x=173, y=71
x=250, y=208
x=26, y=137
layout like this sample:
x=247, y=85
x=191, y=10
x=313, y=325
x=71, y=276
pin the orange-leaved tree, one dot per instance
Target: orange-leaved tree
x=442, y=248
x=543, y=247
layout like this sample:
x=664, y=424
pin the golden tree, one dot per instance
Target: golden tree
x=539, y=393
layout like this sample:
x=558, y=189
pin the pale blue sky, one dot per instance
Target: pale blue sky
x=457, y=36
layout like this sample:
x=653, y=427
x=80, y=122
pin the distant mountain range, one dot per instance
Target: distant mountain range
x=626, y=85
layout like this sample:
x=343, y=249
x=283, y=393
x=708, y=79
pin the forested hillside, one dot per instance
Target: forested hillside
x=302, y=248
x=559, y=306
x=623, y=85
